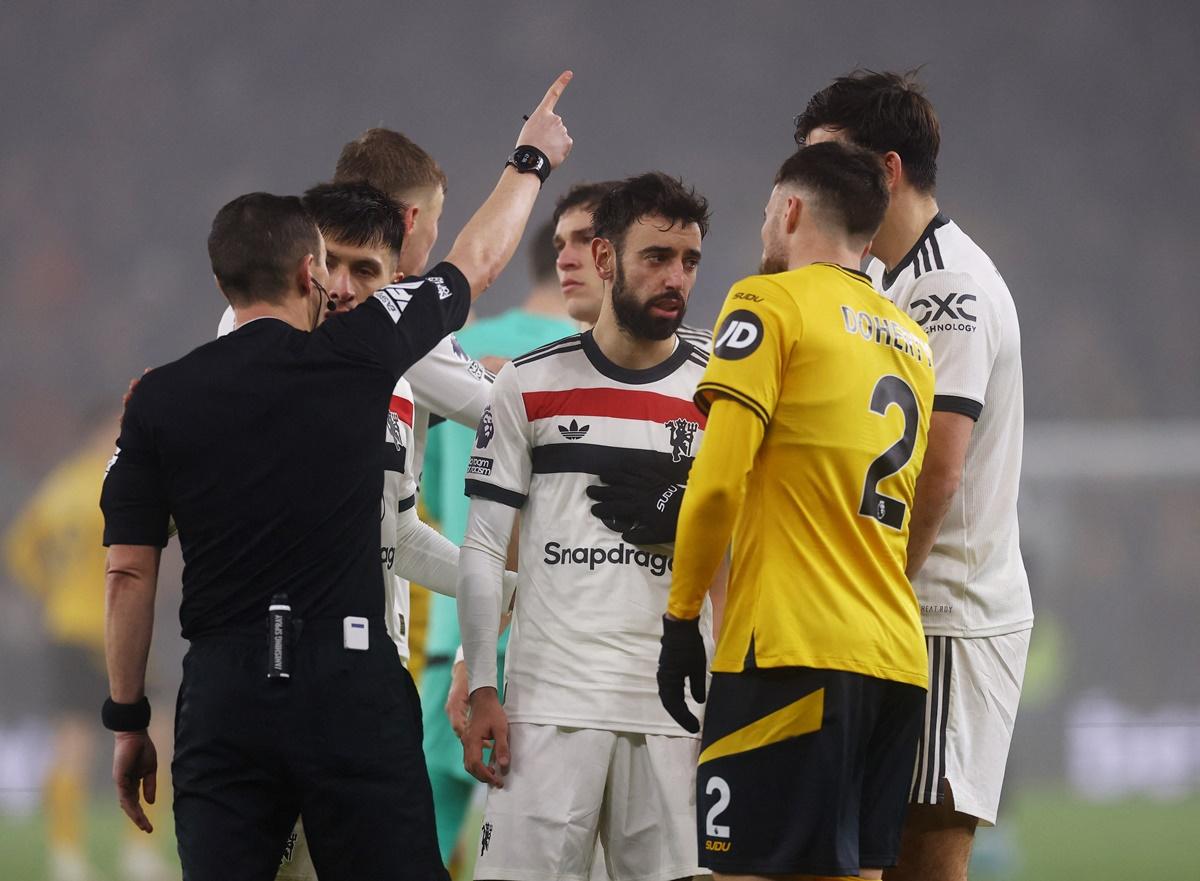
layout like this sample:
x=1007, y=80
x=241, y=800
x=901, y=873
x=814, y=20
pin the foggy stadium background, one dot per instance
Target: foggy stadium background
x=1071, y=142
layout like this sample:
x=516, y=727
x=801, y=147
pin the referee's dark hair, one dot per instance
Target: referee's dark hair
x=848, y=185
x=884, y=112
x=645, y=195
x=357, y=214
x=256, y=243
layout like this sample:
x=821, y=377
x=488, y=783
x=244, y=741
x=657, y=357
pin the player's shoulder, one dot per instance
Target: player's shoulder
x=946, y=259
x=550, y=355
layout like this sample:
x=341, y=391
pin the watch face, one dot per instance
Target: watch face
x=527, y=159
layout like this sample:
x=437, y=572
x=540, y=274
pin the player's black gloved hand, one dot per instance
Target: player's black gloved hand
x=640, y=502
x=681, y=657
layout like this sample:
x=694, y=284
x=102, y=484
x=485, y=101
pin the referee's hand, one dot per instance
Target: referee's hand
x=135, y=762
x=487, y=724
x=682, y=657
x=544, y=128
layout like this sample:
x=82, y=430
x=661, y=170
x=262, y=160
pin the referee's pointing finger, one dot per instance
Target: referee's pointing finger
x=555, y=91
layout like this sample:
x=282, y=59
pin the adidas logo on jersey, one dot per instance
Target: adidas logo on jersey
x=574, y=431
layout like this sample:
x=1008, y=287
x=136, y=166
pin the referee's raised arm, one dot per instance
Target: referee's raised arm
x=425, y=309
x=491, y=236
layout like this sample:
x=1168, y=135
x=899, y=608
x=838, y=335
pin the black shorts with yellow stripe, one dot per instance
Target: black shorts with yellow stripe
x=805, y=771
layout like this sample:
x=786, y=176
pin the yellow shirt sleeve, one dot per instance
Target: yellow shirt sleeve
x=756, y=329
x=715, y=490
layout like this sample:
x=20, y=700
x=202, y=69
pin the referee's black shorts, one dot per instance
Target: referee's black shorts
x=804, y=771
x=339, y=742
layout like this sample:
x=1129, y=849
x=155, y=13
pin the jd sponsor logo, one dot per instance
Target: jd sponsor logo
x=739, y=335
x=620, y=555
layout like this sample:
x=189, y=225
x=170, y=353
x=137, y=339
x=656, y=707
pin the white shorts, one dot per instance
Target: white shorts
x=974, y=689
x=569, y=788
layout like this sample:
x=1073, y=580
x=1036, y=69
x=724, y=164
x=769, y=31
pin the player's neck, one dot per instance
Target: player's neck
x=907, y=216
x=813, y=248
x=626, y=350
x=546, y=300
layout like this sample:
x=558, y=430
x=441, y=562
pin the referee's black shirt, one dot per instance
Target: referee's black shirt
x=264, y=447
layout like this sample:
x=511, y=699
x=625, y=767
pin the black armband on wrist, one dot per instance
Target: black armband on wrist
x=125, y=717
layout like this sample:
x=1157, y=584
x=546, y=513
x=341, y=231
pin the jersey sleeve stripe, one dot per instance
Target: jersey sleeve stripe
x=566, y=344
x=615, y=403
x=937, y=252
x=703, y=403
x=539, y=355
x=402, y=408
x=405, y=504
x=576, y=458
x=958, y=404
x=479, y=490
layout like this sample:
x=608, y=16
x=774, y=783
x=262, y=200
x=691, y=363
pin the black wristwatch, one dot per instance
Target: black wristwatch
x=530, y=160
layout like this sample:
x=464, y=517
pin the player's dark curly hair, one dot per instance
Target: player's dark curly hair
x=357, y=214
x=884, y=112
x=645, y=195
x=256, y=243
x=848, y=184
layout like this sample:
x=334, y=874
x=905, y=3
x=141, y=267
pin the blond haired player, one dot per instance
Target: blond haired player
x=818, y=394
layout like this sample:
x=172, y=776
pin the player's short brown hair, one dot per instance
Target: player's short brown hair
x=388, y=161
x=848, y=183
x=256, y=243
x=884, y=112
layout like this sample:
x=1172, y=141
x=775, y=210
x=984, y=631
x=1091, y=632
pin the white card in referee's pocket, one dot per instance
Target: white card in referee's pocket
x=354, y=633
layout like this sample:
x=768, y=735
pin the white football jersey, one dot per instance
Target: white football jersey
x=974, y=582
x=585, y=634
x=399, y=494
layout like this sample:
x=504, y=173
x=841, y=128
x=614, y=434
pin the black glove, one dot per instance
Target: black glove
x=681, y=657
x=640, y=502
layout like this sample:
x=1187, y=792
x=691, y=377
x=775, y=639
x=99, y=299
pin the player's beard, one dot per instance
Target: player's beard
x=634, y=316
x=773, y=260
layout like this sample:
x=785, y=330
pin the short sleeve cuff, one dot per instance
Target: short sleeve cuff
x=706, y=391
x=480, y=490
x=957, y=404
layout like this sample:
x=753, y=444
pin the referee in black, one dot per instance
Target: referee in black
x=264, y=447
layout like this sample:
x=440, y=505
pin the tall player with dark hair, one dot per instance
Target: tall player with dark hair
x=594, y=755
x=818, y=396
x=964, y=554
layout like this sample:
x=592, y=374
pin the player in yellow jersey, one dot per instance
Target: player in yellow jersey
x=818, y=393
x=53, y=548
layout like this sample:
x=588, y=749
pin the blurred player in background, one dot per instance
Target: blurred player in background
x=818, y=395
x=54, y=549
x=540, y=319
x=964, y=551
x=594, y=755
